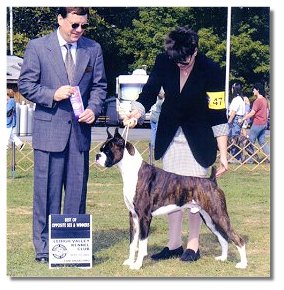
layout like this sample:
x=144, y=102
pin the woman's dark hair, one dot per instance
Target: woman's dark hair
x=63, y=11
x=181, y=43
x=237, y=89
x=260, y=88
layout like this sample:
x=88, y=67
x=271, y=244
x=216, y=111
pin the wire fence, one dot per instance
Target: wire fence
x=247, y=155
x=241, y=153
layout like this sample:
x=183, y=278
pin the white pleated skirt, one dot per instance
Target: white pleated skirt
x=179, y=159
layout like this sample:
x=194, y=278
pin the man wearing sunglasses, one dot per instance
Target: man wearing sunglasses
x=61, y=142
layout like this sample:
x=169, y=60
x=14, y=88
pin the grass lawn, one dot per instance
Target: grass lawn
x=248, y=202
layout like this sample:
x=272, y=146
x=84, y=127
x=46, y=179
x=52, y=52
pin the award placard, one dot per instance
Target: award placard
x=70, y=240
x=76, y=102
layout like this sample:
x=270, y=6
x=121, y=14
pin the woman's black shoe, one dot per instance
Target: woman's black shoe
x=166, y=253
x=190, y=256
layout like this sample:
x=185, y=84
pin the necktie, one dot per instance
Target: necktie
x=69, y=63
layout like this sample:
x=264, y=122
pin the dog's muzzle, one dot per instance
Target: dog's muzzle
x=101, y=159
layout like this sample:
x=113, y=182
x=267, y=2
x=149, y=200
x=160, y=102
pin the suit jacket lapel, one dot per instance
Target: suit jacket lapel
x=56, y=59
x=82, y=59
x=55, y=56
x=174, y=79
x=190, y=81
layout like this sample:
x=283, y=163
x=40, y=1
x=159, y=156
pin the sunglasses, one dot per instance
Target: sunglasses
x=76, y=25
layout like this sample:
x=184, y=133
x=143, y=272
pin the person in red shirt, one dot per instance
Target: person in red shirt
x=259, y=113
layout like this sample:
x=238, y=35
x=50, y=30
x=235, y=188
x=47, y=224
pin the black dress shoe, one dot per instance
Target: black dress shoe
x=190, y=256
x=166, y=253
x=42, y=260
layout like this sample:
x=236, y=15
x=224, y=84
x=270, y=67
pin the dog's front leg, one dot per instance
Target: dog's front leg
x=144, y=226
x=134, y=235
x=142, y=252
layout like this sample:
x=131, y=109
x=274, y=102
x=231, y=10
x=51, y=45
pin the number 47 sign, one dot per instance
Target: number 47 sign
x=70, y=241
x=216, y=100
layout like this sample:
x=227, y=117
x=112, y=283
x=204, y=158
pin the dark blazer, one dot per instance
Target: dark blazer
x=188, y=108
x=43, y=72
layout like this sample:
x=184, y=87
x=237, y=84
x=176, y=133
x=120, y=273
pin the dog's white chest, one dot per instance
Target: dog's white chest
x=129, y=193
x=129, y=167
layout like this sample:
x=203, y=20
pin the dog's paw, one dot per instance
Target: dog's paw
x=221, y=258
x=241, y=265
x=128, y=262
x=135, y=266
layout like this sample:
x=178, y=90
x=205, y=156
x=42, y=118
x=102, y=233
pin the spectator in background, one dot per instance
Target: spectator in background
x=259, y=114
x=236, y=112
x=154, y=116
x=12, y=122
x=246, y=123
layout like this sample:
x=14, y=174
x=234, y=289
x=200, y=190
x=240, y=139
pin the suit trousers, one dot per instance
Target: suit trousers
x=53, y=172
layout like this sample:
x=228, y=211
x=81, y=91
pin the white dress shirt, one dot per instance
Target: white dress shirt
x=62, y=42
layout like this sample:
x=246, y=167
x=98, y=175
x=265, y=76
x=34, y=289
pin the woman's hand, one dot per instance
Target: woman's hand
x=131, y=118
x=222, y=145
x=223, y=167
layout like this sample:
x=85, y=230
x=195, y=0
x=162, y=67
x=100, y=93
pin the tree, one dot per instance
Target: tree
x=133, y=36
x=29, y=23
x=145, y=39
x=212, y=45
x=250, y=57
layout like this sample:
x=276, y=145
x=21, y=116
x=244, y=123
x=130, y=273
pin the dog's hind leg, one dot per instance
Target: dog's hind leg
x=244, y=262
x=239, y=243
x=225, y=225
x=222, y=240
x=221, y=224
x=134, y=236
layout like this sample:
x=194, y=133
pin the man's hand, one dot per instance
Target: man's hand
x=63, y=93
x=87, y=116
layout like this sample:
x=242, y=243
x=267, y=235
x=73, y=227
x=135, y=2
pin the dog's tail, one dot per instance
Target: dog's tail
x=213, y=175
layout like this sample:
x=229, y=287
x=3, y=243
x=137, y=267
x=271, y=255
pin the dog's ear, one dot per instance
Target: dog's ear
x=118, y=138
x=109, y=136
x=130, y=148
x=116, y=133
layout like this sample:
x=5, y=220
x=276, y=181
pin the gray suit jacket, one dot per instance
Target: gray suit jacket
x=43, y=72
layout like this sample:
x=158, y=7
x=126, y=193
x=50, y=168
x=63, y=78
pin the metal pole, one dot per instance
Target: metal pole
x=228, y=52
x=13, y=165
x=150, y=154
x=11, y=31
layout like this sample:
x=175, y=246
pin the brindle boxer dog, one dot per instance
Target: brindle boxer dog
x=150, y=191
